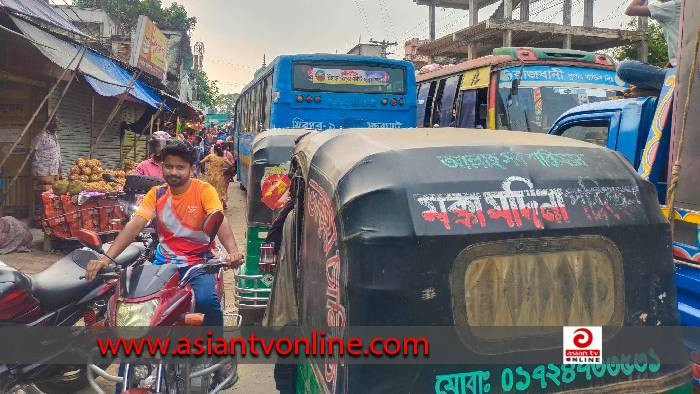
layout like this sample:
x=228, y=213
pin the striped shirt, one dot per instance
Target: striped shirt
x=180, y=218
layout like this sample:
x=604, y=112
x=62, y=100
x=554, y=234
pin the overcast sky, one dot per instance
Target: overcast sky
x=236, y=33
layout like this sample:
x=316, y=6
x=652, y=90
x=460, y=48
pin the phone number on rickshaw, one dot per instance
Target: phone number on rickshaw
x=547, y=376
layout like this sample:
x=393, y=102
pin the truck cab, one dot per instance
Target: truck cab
x=629, y=127
x=619, y=125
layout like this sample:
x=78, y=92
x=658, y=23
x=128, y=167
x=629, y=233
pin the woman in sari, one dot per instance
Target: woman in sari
x=216, y=164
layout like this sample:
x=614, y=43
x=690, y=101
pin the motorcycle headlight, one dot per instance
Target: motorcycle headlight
x=136, y=314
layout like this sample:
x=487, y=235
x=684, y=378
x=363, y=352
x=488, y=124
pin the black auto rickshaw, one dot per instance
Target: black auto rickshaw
x=267, y=187
x=502, y=238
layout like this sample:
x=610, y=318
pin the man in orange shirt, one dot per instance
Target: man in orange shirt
x=180, y=208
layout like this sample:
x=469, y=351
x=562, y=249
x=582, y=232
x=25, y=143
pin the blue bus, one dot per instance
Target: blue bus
x=324, y=91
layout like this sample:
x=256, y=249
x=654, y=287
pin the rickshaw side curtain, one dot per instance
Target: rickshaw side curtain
x=283, y=308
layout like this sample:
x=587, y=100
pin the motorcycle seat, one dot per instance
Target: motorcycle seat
x=60, y=284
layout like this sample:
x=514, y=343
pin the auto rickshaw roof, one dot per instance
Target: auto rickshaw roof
x=284, y=134
x=442, y=180
x=343, y=149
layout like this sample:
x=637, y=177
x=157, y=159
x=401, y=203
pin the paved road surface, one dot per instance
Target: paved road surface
x=254, y=379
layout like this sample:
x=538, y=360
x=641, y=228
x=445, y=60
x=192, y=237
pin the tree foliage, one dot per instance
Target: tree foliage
x=126, y=13
x=207, y=90
x=227, y=103
x=658, y=49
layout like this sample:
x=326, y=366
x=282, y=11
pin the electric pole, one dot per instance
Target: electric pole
x=384, y=44
x=198, y=65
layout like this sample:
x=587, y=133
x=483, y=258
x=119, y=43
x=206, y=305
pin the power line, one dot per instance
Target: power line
x=388, y=24
x=363, y=15
x=71, y=8
x=612, y=14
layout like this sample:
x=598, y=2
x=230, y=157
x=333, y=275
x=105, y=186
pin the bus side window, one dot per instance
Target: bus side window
x=482, y=107
x=467, y=111
x=437, y=104
x=247, y=113
x=256, y=108
x=447, y=101
x=261, y=105
x=268, y=101
x=424, y=102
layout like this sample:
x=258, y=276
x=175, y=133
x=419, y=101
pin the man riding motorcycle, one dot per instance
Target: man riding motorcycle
x=180, y=209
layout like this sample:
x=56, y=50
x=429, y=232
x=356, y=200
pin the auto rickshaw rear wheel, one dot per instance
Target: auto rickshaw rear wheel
x=252, y=317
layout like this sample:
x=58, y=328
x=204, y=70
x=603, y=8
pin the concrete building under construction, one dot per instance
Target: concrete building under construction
x=502, y=30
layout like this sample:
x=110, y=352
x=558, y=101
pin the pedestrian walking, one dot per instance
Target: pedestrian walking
x=216, y=165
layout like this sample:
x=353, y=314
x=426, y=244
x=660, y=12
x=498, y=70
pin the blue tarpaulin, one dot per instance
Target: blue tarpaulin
x=105, y=76
x=139, y=91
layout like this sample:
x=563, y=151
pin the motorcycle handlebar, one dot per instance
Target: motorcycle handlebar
x=107, y=273
x=214, y=264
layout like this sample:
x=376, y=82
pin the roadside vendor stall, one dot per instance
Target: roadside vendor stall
x=85, y=201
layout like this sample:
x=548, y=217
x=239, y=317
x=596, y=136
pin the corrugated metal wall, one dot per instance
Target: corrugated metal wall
x=74, y=131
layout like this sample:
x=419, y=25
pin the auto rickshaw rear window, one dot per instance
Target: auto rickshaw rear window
x=535, y=284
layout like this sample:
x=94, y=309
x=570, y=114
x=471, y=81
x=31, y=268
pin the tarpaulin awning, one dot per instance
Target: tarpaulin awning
x=102, y=73
x=184, y=108
x=140, y=90
x=41, y=10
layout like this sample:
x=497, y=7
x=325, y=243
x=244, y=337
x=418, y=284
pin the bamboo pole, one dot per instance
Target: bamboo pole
x=676, y=169
x=33, y=146
x=114, y=112
x=143, y=131
x=36, y=112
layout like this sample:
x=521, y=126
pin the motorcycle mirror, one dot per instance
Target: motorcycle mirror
x=91, y=240
x=212, y=223
x=109, y=178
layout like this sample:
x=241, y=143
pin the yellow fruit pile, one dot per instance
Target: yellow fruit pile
x=86, y=175
x=86, y=170
x=129, y=166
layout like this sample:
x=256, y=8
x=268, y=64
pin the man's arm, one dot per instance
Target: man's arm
x=228, y=240
x=124, y=239
x=638, y=8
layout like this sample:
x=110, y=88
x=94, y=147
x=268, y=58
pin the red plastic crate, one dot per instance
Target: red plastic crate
x=64, y=217
x=110, y=214
x=57, y=227
x=54, y=222
x=72, y=214
x=52, y=205
x=90, y=215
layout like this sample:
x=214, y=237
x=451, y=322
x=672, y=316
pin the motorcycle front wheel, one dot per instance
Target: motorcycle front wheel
x=70, y=382
x=175, y=379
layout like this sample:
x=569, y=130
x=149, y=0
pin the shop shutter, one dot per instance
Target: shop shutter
x=74, y=129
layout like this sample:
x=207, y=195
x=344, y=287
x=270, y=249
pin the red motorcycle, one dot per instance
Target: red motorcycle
x=156, y=296
x=55, y=296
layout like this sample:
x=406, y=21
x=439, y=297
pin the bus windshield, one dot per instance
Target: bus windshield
x=349, y=78
x=545, y=93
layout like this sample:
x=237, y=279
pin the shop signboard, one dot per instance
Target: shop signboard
x=148, y=51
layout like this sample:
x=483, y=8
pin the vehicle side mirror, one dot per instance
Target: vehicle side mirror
x=514, y=86
x=212, y=224
x=91, y=240
x=109, y=178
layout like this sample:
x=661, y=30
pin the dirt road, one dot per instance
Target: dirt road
x=254, y=379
